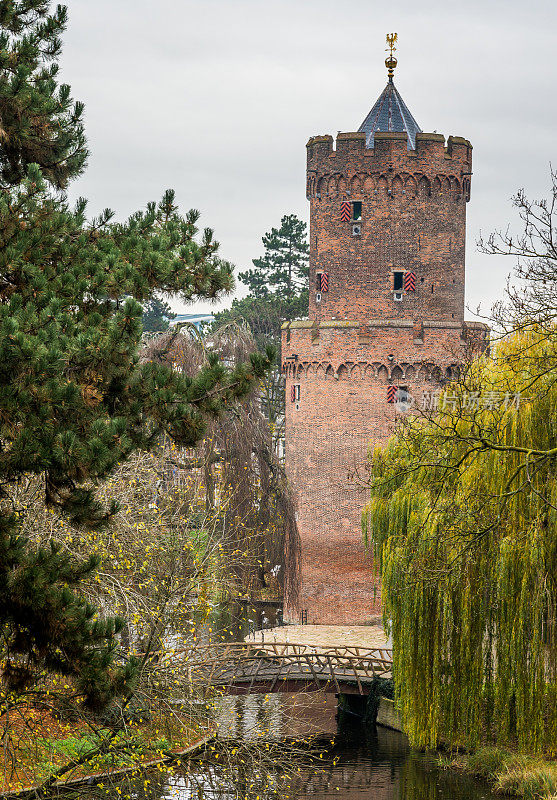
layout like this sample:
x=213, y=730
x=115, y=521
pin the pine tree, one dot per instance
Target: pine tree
x=156, y=316
x=39, y=122
x=278, y=292
x=74, y=398
x=283, y=269
x=278, y=284
x=48, y=628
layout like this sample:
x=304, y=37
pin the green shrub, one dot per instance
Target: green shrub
x=487, y=762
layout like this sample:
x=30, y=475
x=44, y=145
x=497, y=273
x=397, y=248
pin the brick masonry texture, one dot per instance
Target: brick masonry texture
x=359, y=339
x=413, y=218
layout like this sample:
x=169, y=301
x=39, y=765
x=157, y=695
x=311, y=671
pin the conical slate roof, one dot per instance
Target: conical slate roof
x=390, y=113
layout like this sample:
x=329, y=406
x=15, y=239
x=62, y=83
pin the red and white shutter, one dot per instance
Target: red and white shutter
x=409, y=281
x=345, y=211
x=292, y=394
x=391, y=393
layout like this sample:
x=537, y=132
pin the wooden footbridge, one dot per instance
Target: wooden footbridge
x=246, y=667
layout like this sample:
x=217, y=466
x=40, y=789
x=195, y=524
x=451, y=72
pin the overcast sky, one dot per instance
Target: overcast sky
x=217, y=99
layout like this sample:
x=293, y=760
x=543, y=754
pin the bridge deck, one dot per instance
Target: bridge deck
x=244, y=667
x=318, y=636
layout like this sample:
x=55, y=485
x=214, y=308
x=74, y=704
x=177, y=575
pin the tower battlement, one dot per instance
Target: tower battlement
x=381, y=212
x=389, y=158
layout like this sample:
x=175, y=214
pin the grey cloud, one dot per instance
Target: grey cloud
x=217, y=99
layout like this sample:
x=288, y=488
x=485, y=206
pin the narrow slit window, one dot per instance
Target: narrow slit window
x=356, y=211
x=398, y=278
x=318, y=281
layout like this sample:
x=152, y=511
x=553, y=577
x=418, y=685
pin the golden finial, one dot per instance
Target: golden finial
x=390, y=61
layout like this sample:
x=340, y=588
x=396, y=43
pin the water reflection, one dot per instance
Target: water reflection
x=377, y=766
x=275, y=716
x=363, y=762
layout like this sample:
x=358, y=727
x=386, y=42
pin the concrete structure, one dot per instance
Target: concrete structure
x=194, y=319
x=386, y=329
x=388, y=715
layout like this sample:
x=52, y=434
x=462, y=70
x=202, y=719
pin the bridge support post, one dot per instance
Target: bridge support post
x=351, y=706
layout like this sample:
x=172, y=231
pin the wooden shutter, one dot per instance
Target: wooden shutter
x=345, y=211
x=409, y=281
x=324, y=281
x=292, y=394
x=391, y=393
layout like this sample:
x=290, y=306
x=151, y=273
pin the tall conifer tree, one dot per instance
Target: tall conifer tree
x=74, y=399
x=283, y=268
x=156, y=316
x=278, y=292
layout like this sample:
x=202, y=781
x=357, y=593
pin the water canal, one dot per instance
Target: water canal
x=358, y=762
x=373, y=763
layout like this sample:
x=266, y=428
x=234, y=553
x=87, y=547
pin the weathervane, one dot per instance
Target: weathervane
x=390, y=61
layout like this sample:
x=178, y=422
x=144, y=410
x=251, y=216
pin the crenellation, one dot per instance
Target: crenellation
x=390, y=156
x=391, y=147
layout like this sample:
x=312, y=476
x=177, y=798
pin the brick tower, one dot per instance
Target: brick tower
x=386, y=318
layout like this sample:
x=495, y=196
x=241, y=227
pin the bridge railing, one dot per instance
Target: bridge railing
x=276, y=663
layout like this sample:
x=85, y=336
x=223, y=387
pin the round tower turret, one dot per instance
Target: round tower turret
x=386, y=324
x=378, y=213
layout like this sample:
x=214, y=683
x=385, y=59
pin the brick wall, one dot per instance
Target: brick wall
x=343, y=371
x=413, y=218
x=359, y=339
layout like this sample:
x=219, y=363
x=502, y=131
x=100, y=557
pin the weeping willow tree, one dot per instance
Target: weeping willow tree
x=463, y=519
